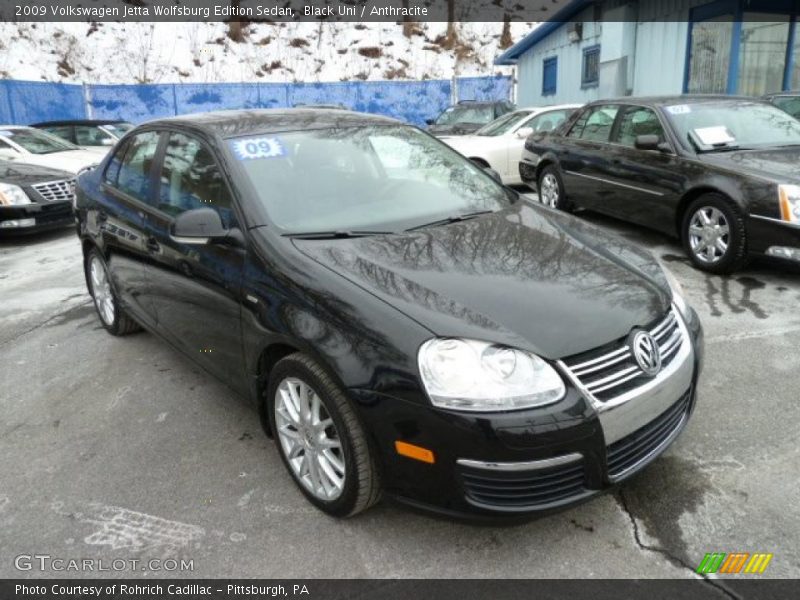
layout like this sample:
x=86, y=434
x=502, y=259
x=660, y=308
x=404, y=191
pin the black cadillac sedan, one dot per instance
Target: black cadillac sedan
x=34, y=198
x=719, y=172
x=403, y=323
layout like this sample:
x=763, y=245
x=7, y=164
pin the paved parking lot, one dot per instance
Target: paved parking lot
x=121, y=448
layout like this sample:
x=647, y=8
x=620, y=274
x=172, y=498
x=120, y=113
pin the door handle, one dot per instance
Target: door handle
x=153, y=245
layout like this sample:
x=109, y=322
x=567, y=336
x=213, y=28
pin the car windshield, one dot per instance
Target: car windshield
x=716, y=126
x=37, y=142
x=118, y=129
x=503, y=125
x=466, y=114
x=363, y=179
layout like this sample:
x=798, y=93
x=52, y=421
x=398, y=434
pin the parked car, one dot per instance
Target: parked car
x=719, y=172
x=467, y=117
x=33, y=198
x=787, y=101
x=401, y=321
x=36, y=147
x=499, y=144
x=96, y=135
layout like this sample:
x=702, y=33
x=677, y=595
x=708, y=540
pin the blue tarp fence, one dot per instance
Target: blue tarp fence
x=25, y=102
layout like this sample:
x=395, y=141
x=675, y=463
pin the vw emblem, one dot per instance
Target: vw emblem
x=646, y=352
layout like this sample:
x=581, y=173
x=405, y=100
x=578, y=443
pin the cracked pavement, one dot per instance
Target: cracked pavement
x=123, y=448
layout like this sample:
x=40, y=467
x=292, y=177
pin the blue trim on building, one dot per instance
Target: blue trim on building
x=512, y=55
x=787, y=73
x=588, y=51
x=549, y=76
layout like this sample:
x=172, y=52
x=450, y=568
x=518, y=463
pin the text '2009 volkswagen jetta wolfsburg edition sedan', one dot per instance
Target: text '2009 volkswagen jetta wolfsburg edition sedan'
x=403, y=323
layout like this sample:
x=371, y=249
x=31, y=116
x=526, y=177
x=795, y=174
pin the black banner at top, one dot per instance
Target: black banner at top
x=281, y=10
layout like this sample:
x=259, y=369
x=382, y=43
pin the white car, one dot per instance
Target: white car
x=34, y=147
x=499, y=144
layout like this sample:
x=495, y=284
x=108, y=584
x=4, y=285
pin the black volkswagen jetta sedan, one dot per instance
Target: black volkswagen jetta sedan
x=722, y=173
x=402, y=322
x=34, y=198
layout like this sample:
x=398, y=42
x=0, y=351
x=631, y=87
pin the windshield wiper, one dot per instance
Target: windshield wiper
x=333, y=235
x=452, y=219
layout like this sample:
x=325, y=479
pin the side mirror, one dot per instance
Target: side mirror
x=524, y=132
x=647, y=142
x=198, y=226
x=493, y=174
x=430, y=121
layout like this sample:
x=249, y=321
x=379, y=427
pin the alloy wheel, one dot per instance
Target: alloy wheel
x=101, y=290
x=548, y=190
x=709, y=235
x=309, y=439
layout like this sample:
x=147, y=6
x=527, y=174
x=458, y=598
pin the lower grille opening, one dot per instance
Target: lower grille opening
x=634, y=448
x=527, y=489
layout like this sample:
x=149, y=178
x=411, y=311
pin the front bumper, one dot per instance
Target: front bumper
x=774, y=238
x=35, y=217
x=534, y=461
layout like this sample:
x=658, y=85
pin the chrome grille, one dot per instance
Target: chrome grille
x=56, y=191
x=610, y=372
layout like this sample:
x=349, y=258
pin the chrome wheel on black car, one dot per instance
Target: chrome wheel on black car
x=551, y=190
x=714, y=234
x=320, y=439
x=98, y=281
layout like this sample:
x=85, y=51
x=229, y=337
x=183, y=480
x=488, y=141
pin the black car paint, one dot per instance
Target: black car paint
x=47, y=214
x=362, y=307
x=653, y=187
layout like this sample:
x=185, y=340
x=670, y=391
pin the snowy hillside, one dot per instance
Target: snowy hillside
x=287, y=52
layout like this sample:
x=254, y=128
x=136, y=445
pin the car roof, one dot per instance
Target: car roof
x=231, y=123
x=78, y=122
x=673, y=99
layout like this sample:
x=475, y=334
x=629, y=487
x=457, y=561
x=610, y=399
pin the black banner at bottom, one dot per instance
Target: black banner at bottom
x=394, y=589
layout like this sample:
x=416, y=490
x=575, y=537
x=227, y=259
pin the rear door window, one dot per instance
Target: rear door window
x=599, y=122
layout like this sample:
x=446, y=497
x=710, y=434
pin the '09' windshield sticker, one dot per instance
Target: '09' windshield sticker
x=258, y=147
x=679, y=109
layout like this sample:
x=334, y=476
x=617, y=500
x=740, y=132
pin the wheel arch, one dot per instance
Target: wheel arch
x=693, y=194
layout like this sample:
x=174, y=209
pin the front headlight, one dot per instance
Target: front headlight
x=477, y=376
x=789, y=198
x=677, y=290
x=12, y=195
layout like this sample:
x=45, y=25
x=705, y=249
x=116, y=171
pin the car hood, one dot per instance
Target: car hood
x=526, y=277
x=780, y=164
x=69, y=160
x=19, y=173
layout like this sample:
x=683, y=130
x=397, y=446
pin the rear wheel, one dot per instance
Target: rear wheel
x=714, y=234
x=320, y=438
x=551, y=189
x=108, y=309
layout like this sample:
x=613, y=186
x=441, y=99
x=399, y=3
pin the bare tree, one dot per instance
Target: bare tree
x=235, y=30
x=505, y=37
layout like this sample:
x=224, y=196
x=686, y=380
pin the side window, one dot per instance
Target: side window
x=134, y=172
x=86, y=135
x=638, y=120
x=547, y=121
x=64, y=132
x=596, y=124
x=190, y=178
x=112, y=170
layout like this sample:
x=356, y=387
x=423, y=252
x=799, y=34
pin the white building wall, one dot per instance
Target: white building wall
x=570, y=62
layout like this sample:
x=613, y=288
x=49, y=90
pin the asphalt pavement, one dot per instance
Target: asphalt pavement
x=122, y=449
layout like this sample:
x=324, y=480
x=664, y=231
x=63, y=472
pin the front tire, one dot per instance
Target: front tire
x=714, y=234
x=320, y=438
x=550, y=188
x=113, y=318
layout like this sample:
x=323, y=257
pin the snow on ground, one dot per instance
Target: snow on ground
x=202, y=52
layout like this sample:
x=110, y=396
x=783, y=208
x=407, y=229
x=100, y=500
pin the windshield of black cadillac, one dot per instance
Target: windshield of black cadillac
x=733, y=125
x=364, y=179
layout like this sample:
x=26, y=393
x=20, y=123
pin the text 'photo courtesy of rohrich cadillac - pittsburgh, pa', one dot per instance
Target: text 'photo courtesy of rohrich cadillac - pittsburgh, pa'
x=390, y=298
